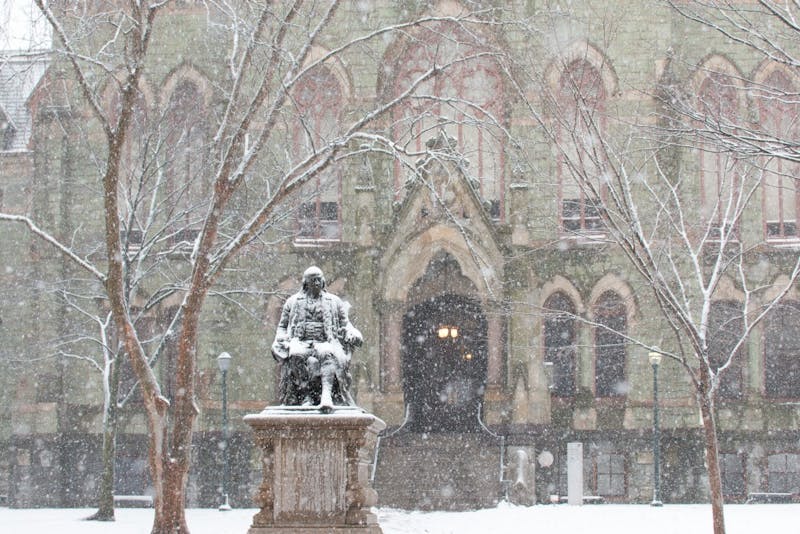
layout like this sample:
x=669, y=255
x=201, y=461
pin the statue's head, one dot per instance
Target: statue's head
x=313, y=278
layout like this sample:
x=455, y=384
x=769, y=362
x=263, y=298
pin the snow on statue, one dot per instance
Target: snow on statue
x=313, y=344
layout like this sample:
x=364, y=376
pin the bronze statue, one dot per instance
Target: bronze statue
x=313, y=344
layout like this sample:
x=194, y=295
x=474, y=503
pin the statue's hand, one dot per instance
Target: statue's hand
x=280, y=349
x=353, y=337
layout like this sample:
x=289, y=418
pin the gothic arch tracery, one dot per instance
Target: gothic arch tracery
x=774, y=91
x=465, y=101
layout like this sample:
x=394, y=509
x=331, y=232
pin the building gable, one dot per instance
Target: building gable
x=442, y=212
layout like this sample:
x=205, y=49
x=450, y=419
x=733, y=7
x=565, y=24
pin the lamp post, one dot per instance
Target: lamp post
x=224, y=363
x=655, y=361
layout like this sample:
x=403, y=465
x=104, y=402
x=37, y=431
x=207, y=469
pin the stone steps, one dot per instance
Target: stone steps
x=438, y=471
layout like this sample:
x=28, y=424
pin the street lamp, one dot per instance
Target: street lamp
x=655, y=361
x=224, y=363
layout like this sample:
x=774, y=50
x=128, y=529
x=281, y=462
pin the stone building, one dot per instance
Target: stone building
x=498, y=321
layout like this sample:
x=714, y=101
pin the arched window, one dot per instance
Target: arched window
x=560, y=339
x=725, y=329
x=464, y=101
x=581, y=102
x=185, y=152
x=611, y=316
x=780, y=114
x=782, y=351
x=717, y=103
x=318, y=98
x=135, y=166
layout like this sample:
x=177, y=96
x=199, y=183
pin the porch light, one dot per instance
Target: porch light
x=447, y=331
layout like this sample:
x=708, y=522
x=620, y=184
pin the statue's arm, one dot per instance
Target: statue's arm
x=280, y=346
x=352, y=335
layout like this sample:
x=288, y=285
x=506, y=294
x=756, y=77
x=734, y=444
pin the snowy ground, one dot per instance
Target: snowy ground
x=505, y=519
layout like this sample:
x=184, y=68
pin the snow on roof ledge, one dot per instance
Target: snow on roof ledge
x=20, y=73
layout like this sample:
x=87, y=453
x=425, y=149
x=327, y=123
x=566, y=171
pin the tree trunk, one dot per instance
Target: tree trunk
x=174, y=483
x=170, y=474
x=105, y=510
x=169, y=517
x=176, y=451
x=705, y=398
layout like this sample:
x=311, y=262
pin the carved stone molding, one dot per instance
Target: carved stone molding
x=315, y=470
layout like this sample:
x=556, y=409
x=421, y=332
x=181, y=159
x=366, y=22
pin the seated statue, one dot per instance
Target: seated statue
x=313, y=344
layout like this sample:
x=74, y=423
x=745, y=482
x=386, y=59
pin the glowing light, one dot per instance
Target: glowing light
x=447, y=331
x=468, y=356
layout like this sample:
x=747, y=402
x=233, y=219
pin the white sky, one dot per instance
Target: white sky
x=504, y=519
x=22, y=27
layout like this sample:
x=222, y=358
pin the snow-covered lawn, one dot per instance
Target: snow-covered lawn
x=561, y=519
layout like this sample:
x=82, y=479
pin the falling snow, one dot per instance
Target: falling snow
x=503, y=519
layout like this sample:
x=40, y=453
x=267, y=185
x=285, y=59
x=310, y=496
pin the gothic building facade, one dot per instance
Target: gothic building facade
x=500, y=322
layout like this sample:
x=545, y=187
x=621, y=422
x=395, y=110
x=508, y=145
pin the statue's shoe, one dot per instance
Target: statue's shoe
x=325, y=401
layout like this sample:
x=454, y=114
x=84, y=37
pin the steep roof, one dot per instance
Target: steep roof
x=19, y=75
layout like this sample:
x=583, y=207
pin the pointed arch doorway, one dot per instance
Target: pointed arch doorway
x=444, y=363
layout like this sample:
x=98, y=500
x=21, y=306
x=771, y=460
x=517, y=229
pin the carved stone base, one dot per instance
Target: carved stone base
x=316, y=470
x=366, y=529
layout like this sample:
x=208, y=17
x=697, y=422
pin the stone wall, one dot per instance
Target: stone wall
x=49, y=412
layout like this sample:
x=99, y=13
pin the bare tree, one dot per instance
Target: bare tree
x=630, y=179
x=161, y=240
x=766, y=133
x=103, y=355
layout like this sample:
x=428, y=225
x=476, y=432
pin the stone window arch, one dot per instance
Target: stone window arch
x=779, y=112
x=611, y=316
x=318, y=98
x=185, y=135
x=465, y=101
x=136, y=158
x=782, y=351
x=581, y=100
x=560, y=342
x=717, y=107
x=725, y=329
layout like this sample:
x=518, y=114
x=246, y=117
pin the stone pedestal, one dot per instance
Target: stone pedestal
x=316, y=471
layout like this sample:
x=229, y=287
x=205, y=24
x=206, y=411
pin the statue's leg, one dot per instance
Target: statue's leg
x=312, y=376
x=328, y=354
x=327, y=374
x=300, y=374
x=295, y=380
x=283, y=385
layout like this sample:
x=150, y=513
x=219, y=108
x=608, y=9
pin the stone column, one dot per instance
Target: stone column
x=315, y=471
x=494, y=365
x=391, y=364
